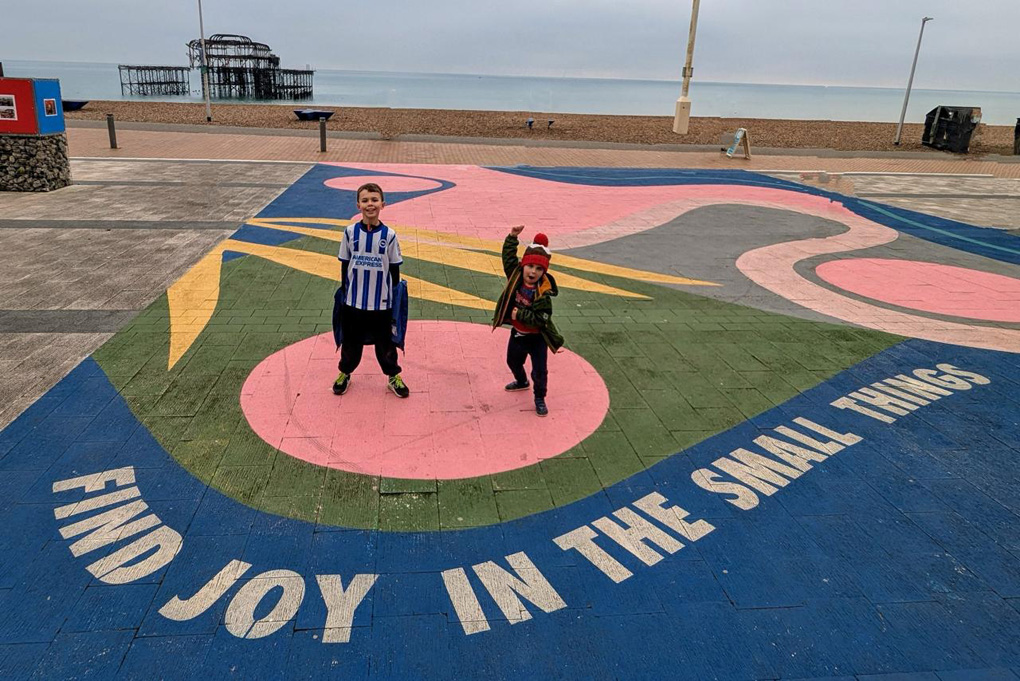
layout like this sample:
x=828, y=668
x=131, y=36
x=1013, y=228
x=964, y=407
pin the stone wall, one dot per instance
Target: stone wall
x=31, y=163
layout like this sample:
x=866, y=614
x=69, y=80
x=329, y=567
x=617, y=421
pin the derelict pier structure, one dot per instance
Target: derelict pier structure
x=238, y=68
x=154, y=80
x=242, y=68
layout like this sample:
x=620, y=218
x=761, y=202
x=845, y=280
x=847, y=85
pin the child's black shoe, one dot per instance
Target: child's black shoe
x=540, y=407
x=515, y=386
x=342, y=382
x=397, y=385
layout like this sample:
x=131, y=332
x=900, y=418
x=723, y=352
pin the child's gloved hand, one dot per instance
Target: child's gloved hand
x=516, y=230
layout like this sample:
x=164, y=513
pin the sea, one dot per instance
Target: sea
x=86, y=80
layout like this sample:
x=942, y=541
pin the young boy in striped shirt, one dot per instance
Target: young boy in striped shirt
x=369, y=272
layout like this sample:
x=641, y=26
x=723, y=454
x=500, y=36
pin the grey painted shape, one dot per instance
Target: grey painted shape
x=64, y=321
x=705, y=244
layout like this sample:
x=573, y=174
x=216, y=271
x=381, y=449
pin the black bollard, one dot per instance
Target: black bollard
x=322, y=134
x=1016, y=138
x=112, y=130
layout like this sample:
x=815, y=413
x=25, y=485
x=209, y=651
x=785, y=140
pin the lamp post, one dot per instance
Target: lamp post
x=205, y=66
x=682, y=118
x=910, y=81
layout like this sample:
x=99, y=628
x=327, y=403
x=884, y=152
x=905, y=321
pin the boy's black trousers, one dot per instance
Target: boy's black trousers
x=522, y=346
x=364, y=327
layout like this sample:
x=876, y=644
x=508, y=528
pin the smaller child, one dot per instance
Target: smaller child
x=526, y=305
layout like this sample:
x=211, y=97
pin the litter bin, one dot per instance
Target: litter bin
x=949, y=127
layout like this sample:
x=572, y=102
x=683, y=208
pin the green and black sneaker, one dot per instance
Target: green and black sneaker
x=342, y=382
x=398, y=386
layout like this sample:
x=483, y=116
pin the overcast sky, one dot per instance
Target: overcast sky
x=972, y=44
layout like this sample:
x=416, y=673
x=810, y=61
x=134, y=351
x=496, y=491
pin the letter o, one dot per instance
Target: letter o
x=240, y=618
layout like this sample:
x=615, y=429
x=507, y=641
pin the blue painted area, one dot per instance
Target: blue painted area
x=48, y=89
x=992, y=243
x=840, y=567
x=309, y=197
x=260, y=235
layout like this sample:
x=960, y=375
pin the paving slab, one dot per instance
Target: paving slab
x=782, y=439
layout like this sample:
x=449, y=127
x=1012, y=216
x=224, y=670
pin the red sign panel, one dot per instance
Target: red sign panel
x=17, y=107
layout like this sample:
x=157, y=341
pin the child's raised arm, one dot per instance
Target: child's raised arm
x=510, y=259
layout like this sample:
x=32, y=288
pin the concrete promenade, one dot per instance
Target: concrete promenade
x=782, y=441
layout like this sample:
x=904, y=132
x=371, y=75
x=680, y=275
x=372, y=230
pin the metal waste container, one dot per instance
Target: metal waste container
x=949, y=127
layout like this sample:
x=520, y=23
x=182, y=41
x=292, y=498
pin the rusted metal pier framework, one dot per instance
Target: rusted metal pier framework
x=242, y=68
x=154, y=80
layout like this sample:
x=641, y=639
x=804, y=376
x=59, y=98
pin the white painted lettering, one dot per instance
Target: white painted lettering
x=673, y=517
x=798, y=457
x=634, y=535
x=918, y=387
x=908, y=397
x=883, y=401
x=465, y=602
x=711, y=481
x=847, y=403
x=944, y=381
x=844, y=438
x=967, y=375
x=108, y=527
x=581, y=541
x=341, y=604
x=829, y=448
x=92, y=503
x=114, y=569
x=528, y=583
x=97, y=481
x=757, y=471
x=240, y=618
x=181, y=610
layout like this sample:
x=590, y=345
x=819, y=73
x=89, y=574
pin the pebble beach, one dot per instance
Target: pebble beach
x=643, y=130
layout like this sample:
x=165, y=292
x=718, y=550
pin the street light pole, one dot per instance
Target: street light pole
x=205, y=66
x=910, y=82
x=682, y=118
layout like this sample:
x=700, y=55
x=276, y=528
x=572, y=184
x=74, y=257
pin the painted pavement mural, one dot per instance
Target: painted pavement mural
x=783, y=443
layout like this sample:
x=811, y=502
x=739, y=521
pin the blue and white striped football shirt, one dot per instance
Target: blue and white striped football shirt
x=369, y=255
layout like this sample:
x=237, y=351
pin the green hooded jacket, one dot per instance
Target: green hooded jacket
x=539, y=315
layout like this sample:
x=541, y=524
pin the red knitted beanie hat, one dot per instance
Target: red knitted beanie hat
x=538, y=252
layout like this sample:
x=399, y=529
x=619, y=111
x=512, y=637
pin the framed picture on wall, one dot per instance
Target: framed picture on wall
x=50, y=107
x=8, y=109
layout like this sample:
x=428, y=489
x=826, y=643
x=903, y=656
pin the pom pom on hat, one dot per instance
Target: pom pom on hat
x=538, y=252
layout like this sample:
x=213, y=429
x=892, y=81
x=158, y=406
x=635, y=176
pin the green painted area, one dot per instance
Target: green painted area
x=679, y=367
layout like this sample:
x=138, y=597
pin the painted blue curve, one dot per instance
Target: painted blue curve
x=907, y=539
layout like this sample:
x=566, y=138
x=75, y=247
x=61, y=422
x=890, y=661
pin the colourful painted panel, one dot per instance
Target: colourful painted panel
x=48, y=110
x=17, y=107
